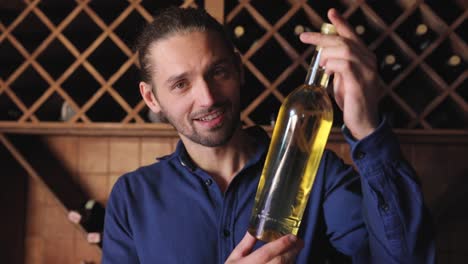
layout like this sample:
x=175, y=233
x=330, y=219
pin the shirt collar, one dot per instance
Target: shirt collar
x=261, y=137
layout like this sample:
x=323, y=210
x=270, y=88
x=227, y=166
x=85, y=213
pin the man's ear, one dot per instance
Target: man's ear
x=146, y=91
x=240, y=67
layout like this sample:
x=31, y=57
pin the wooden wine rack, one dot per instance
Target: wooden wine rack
x=449, y=99
x=79, y=53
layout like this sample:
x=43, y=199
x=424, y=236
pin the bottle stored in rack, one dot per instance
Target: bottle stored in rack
x=91, y=217
x=364, y=27
x=244, y=31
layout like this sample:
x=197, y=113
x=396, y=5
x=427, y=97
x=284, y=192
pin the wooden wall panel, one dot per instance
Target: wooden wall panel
x=442, y=169
x=13, y=182
x=50, y=237
x=96, y=162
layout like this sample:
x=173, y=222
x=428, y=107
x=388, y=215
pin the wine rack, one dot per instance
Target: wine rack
x=71, y=64
x=422, y=91
x=72, y=57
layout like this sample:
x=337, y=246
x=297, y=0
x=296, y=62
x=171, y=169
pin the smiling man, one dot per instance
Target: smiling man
x=201, y=80
x=193, y=206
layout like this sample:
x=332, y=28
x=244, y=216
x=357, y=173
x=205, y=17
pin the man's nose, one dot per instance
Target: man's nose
x=204, y=94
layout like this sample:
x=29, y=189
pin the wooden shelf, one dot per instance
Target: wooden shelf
x=165, y=130
x=96, y=129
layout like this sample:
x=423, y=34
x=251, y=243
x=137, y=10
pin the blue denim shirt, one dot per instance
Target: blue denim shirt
x=173, y=212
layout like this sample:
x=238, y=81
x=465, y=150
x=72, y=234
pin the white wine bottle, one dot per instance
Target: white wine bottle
x=299, y=137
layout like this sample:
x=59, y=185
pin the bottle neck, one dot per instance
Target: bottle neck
x=316, y=75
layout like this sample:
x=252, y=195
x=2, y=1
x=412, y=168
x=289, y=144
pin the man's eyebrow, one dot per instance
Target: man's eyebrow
x=174, y=78
x=183, y=75
x=221, y=61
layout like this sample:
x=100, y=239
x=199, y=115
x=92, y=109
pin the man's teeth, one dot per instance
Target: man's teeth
x=210, y=117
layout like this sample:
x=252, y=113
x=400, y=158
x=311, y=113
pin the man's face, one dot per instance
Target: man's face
x=197, y=86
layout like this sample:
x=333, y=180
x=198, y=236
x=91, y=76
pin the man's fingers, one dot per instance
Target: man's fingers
x=274, y=249
x=340, y=52
x=290, y=256
x=283, y=249
x=244, y=247
x=318, y=39
x=342, y=26
x=336, y=92
x=343, y=29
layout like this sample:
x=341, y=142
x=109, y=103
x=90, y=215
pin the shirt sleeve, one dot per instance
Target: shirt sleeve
x=118, y=245
x=386, y=220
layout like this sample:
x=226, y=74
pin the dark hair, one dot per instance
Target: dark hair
x=173, y=20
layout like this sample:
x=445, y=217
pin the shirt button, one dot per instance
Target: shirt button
x=208, y=182
x=384, y=207
x=360, y=155
x=226, y=233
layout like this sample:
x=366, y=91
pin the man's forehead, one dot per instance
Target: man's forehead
x=179, y=52
x=178, y=45
x=209, y=39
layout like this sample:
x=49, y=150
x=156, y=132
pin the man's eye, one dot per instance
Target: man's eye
x=220, y=72
x=180, y=85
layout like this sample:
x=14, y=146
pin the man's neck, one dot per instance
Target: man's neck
x=222, y=162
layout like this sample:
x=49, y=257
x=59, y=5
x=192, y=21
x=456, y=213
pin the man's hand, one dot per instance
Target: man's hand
x=283, y=250
x=356, y=85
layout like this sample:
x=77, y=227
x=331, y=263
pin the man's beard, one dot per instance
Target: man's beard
x=220, y=135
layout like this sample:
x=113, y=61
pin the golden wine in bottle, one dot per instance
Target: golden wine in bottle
x=299, y=137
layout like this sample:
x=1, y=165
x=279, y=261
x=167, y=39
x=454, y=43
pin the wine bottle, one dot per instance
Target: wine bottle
x=90, y=216
x=423, y=37
x=244, y=31
x=291, y=30
x=360, y=30
x=239, y=31
x=454, y=61
x=299, y=137
x=50, y=110
x=67, y=111
x=390, y=67
x=453, y=67
x=241, y=40
x=298, y=30
x=364, y=27
x=8, y=110
x=416, y=31
x=448, y=60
